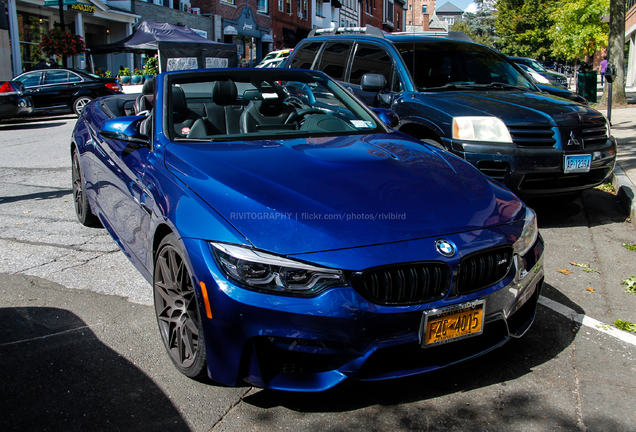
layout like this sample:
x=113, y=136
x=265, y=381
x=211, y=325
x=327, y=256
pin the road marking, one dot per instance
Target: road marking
x=587, y=321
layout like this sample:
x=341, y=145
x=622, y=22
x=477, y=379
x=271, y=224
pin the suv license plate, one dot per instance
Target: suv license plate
x=577, y=163
x=440, y=326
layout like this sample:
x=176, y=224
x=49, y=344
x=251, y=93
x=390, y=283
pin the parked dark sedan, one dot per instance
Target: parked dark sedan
x=555, y=78
x=65, y=89
x=13, y=101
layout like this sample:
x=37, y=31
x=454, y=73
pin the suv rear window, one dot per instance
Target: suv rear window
x=334, y=59
x=305, y=56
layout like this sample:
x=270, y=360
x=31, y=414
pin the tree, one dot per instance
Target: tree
x=616, y=53
x=480, y=26
x=523, y=27
x=578, y=30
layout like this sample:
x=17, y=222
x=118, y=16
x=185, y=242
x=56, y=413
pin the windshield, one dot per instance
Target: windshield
x=448, y=64
x=536, y=66
x=244, y=105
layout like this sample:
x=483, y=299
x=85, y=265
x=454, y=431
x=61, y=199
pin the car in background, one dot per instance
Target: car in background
x=555, y=78
x=60, y=89
x=472, y=101
x=277, y=54
x=544, y=85
x=13, y=101
x=293, y=239
x=273, y=63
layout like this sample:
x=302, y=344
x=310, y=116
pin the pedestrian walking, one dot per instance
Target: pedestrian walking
x=602, y=67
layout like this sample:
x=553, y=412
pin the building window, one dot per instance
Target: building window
x=288, y=6
x=388, y=11
x=319, y=8
x=281, y=8
x=261, y=6
x=449, y=20
x=424, y=9
x=305, y=9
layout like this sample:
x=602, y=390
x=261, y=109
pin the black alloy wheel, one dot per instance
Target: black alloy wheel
x=177, y=312
x=82, y=206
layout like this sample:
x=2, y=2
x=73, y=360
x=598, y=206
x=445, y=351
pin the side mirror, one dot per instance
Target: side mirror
x=125, y=129
x=373, y=82
x=390, y=118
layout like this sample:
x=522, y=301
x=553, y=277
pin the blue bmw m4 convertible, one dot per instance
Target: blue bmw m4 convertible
x=293, y=239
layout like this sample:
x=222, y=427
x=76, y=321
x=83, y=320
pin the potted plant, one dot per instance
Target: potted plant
x=124, y=75
x=62, y=44
x=150, y=68
x=138, y=77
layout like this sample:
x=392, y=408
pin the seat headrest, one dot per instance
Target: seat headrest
x=148, y=92
x=224, y=92
x=179, y=104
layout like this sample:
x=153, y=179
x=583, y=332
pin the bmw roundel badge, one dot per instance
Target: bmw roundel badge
x=445, y=247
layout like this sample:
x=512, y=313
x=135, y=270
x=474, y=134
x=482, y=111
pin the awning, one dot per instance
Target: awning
x=267, y=38
x=229, y=30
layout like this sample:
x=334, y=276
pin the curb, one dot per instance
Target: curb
x=625, y=191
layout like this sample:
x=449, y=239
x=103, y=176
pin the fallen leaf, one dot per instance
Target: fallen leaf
x=589, y=289
x=564, y=271
x=573, y=263
x=19, y=223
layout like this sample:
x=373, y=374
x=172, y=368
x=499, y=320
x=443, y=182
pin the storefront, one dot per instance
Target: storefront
x=95, y=22
x=252, y=41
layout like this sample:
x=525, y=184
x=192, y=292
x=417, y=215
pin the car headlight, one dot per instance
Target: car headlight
x=480, y=129
x=265, y=271
x=529, y=234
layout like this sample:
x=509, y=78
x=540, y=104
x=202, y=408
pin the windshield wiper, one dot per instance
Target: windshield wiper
x=503, y=85
x=451, y=85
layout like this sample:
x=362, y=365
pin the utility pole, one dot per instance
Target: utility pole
x=63, y=26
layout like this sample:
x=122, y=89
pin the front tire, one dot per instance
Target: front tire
x=80, y=199
x=177, y=312
x=80, y=103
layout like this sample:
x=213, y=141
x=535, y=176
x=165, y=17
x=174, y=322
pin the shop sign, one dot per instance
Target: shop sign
x=90, y=9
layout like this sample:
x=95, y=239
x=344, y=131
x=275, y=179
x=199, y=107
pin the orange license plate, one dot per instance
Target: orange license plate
x=440, y=326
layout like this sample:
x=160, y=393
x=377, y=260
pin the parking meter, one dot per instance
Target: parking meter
x=610, y=73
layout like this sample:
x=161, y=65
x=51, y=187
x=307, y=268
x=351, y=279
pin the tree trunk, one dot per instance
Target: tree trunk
x=616, y=52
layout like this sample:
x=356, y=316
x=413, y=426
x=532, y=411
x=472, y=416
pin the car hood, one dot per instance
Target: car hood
x=515, y=108
x=305, y=195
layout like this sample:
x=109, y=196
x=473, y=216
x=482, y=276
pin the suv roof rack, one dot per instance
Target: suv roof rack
x=442, y=33
x=367, y=31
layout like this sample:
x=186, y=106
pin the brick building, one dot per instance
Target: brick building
x=291, y=21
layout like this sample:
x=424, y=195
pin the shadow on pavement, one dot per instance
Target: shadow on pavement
x=603, y=208
x=56, y=374
x=37, y=196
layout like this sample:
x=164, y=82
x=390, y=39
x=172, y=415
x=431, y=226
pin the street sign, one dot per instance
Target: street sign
x=56, y=2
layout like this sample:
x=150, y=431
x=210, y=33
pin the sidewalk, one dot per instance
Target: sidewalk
x=623, y=122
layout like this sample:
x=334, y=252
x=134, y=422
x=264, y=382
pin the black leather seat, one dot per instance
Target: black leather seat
x=146, y=100
x=183, y=118
x=222, y=117
x=270, y=111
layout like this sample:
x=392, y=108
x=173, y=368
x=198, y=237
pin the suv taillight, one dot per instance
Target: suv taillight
x=7, y=88
x=114, y=86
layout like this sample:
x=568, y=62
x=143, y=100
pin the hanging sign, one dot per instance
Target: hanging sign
x=90, y=9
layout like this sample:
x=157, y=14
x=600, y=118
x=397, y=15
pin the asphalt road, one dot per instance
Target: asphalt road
x=80, y=350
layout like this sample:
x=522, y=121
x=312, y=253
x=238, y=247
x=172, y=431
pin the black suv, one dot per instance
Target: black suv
x=472, y=101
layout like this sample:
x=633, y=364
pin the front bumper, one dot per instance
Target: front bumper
x=537, y=171
x=313, y=344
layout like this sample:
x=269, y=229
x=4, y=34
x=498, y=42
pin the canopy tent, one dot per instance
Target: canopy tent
x=179, y=47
